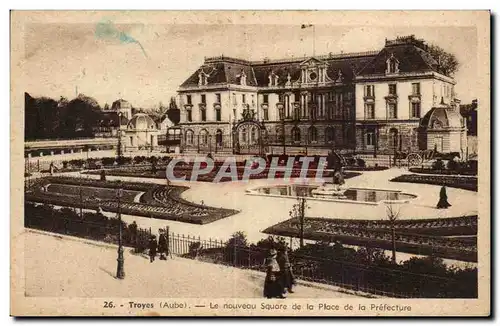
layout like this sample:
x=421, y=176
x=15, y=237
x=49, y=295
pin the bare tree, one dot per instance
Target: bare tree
x=393, y=215
x=298, y=212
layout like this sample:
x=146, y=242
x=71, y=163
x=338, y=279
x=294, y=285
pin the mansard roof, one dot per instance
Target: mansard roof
x=410, y=53
x=227, y=70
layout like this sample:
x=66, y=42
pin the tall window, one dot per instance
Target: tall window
x=189, y=115
x=415, y=88
x=203, y=99
x=392, y=89
x=235, y=100
x=189, y=137
x=296, y=134
x=415, y=110
x=203, y=114
x=243, y=98
x=218, y=137
x=218, y=116
x=253, y=100
x=370, y=90
x=313, y=134
x=266, y=114
x=204, y=137
x=188, y=99
x=217, y=98
x=392, y=111
x=369, y=111
x=370, y=137
x=329, y=134
x=265, y=98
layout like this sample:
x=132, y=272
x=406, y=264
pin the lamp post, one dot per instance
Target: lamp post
x=120, y=272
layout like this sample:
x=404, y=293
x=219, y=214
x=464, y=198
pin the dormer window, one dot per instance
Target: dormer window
x=273, y=79
x=243, y=78
x=202, y=79
x=392, y=65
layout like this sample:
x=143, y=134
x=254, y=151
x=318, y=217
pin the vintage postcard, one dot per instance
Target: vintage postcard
x=239, y=163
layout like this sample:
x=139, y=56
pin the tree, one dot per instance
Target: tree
x=106, y=107
x=298, y=212
x=173, y=112
x=448, y=63
x=393, y=216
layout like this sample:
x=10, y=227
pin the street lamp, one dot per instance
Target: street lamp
x=120, y=272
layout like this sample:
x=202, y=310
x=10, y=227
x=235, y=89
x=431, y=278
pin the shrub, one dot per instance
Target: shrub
x=438, y=165
x=139, y=159
x=76, y=163
x=360, y=162
x=65, y=164
x=123, y=160
x=453, y=165
x=108, y=161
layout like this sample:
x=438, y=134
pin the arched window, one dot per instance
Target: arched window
x=296, y=134
x=204, y=137
x=279, y=133
x=189, y=137
x=218, y=137
x=313, y=134
x=329, y=134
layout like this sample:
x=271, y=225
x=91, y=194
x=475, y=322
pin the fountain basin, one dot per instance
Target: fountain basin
x=364, y=196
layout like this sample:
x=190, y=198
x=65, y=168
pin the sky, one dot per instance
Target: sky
x=147, y=66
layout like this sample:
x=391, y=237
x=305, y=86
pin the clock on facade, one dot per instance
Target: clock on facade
x=313, y=75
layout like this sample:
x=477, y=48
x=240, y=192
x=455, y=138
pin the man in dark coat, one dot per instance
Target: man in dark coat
x=443, y=199
x=286, y=276
x=152, y=248
x=272, y=285
x=162, y=245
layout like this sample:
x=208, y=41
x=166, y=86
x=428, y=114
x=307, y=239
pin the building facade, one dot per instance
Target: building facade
x=370, y=102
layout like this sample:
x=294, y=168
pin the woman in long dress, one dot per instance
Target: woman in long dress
x=443, y=199
x=272, y=284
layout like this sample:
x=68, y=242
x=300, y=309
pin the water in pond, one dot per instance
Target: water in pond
x=355, y=194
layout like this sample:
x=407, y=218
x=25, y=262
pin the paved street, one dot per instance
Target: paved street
x=60, y=267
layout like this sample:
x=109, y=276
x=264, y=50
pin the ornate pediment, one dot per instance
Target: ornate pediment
x=312, y=62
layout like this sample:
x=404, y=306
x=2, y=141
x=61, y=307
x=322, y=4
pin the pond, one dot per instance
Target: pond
x=361, y=195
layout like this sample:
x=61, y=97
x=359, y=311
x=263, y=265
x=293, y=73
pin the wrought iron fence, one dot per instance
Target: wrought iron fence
x=365, y=277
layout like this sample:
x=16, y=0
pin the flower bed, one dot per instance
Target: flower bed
x=169, y=206
x=186, y=172
x=453, y=238
x=366, y=168
x=467, y=183
x=443, y=172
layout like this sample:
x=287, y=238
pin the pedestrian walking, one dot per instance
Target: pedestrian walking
x=286, y=276
x=272, y=285
x=152, y=248
x=162, y=245
x=443, y=199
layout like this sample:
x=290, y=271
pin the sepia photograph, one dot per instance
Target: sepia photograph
x=250, y=163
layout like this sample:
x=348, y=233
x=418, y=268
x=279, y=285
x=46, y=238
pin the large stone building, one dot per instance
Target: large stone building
x=369, y=102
